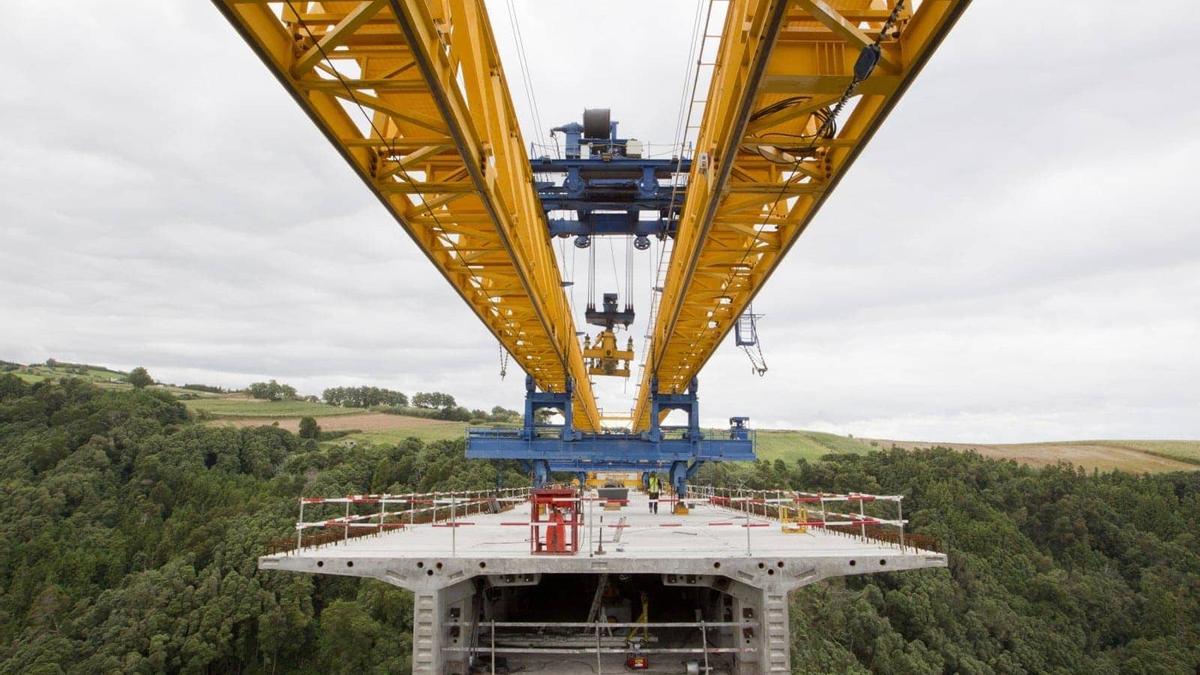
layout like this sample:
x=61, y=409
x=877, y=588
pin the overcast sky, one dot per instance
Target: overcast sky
x=1015, y=257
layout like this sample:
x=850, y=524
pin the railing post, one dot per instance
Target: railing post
x=346, y=525
x=300, y=526
x=599, y=664
x=493, y=645
x=453, y=526
x=900, y=519
x=748, y=533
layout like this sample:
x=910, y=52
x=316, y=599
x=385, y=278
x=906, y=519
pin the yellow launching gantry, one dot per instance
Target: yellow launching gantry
x=411, y=93
x=413, y=96
x=798, y=89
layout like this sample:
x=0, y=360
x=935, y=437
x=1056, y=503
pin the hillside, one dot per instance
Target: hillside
x=359, y=425
x=364, y=427
x=100, y=376
x=244, y=406
x=131, y=533
x=1153, y=456
x=772, y=444
x=371, y=426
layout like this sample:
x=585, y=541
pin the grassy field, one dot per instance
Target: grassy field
x=37, y=373
x=787, y=445
x=790, y=445
x=252, y=407
x=99, y=376
x=1132, y=456
x=368, y=427
x=1184, y=451
x=430, y=430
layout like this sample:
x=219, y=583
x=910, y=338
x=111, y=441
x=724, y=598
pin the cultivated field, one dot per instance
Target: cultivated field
x=1134, y=456
x=790, y=445
x=369, y=427
x=240, y=406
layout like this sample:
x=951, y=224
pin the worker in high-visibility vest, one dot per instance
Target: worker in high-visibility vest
x=652, y=487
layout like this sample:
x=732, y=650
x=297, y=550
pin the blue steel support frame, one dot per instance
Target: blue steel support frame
x=610, y=189
x=679, y=451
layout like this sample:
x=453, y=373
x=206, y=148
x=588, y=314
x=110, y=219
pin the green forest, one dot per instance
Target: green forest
x=131, y=532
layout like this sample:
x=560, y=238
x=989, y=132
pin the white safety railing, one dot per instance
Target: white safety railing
x=330, y=521
x=373, y=514
x=813, y=509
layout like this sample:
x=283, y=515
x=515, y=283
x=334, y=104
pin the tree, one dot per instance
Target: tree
x=364, y=397
x=140, y=378
x=433, y=399
x=272, y=391
x=309, y=428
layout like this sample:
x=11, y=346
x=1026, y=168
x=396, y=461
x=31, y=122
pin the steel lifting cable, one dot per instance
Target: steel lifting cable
x=612, y=252
x=591, y=293
x=686, y=103
x=568, y=273
x=526, y=74
x=574, y=268
x=681, y=121
x=629, y=269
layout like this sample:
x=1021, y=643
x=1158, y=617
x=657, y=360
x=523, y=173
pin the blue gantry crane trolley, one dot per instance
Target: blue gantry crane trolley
x=605, y=186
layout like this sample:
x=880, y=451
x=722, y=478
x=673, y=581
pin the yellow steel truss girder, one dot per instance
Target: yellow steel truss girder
x=780, y=67
x=442, y=151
